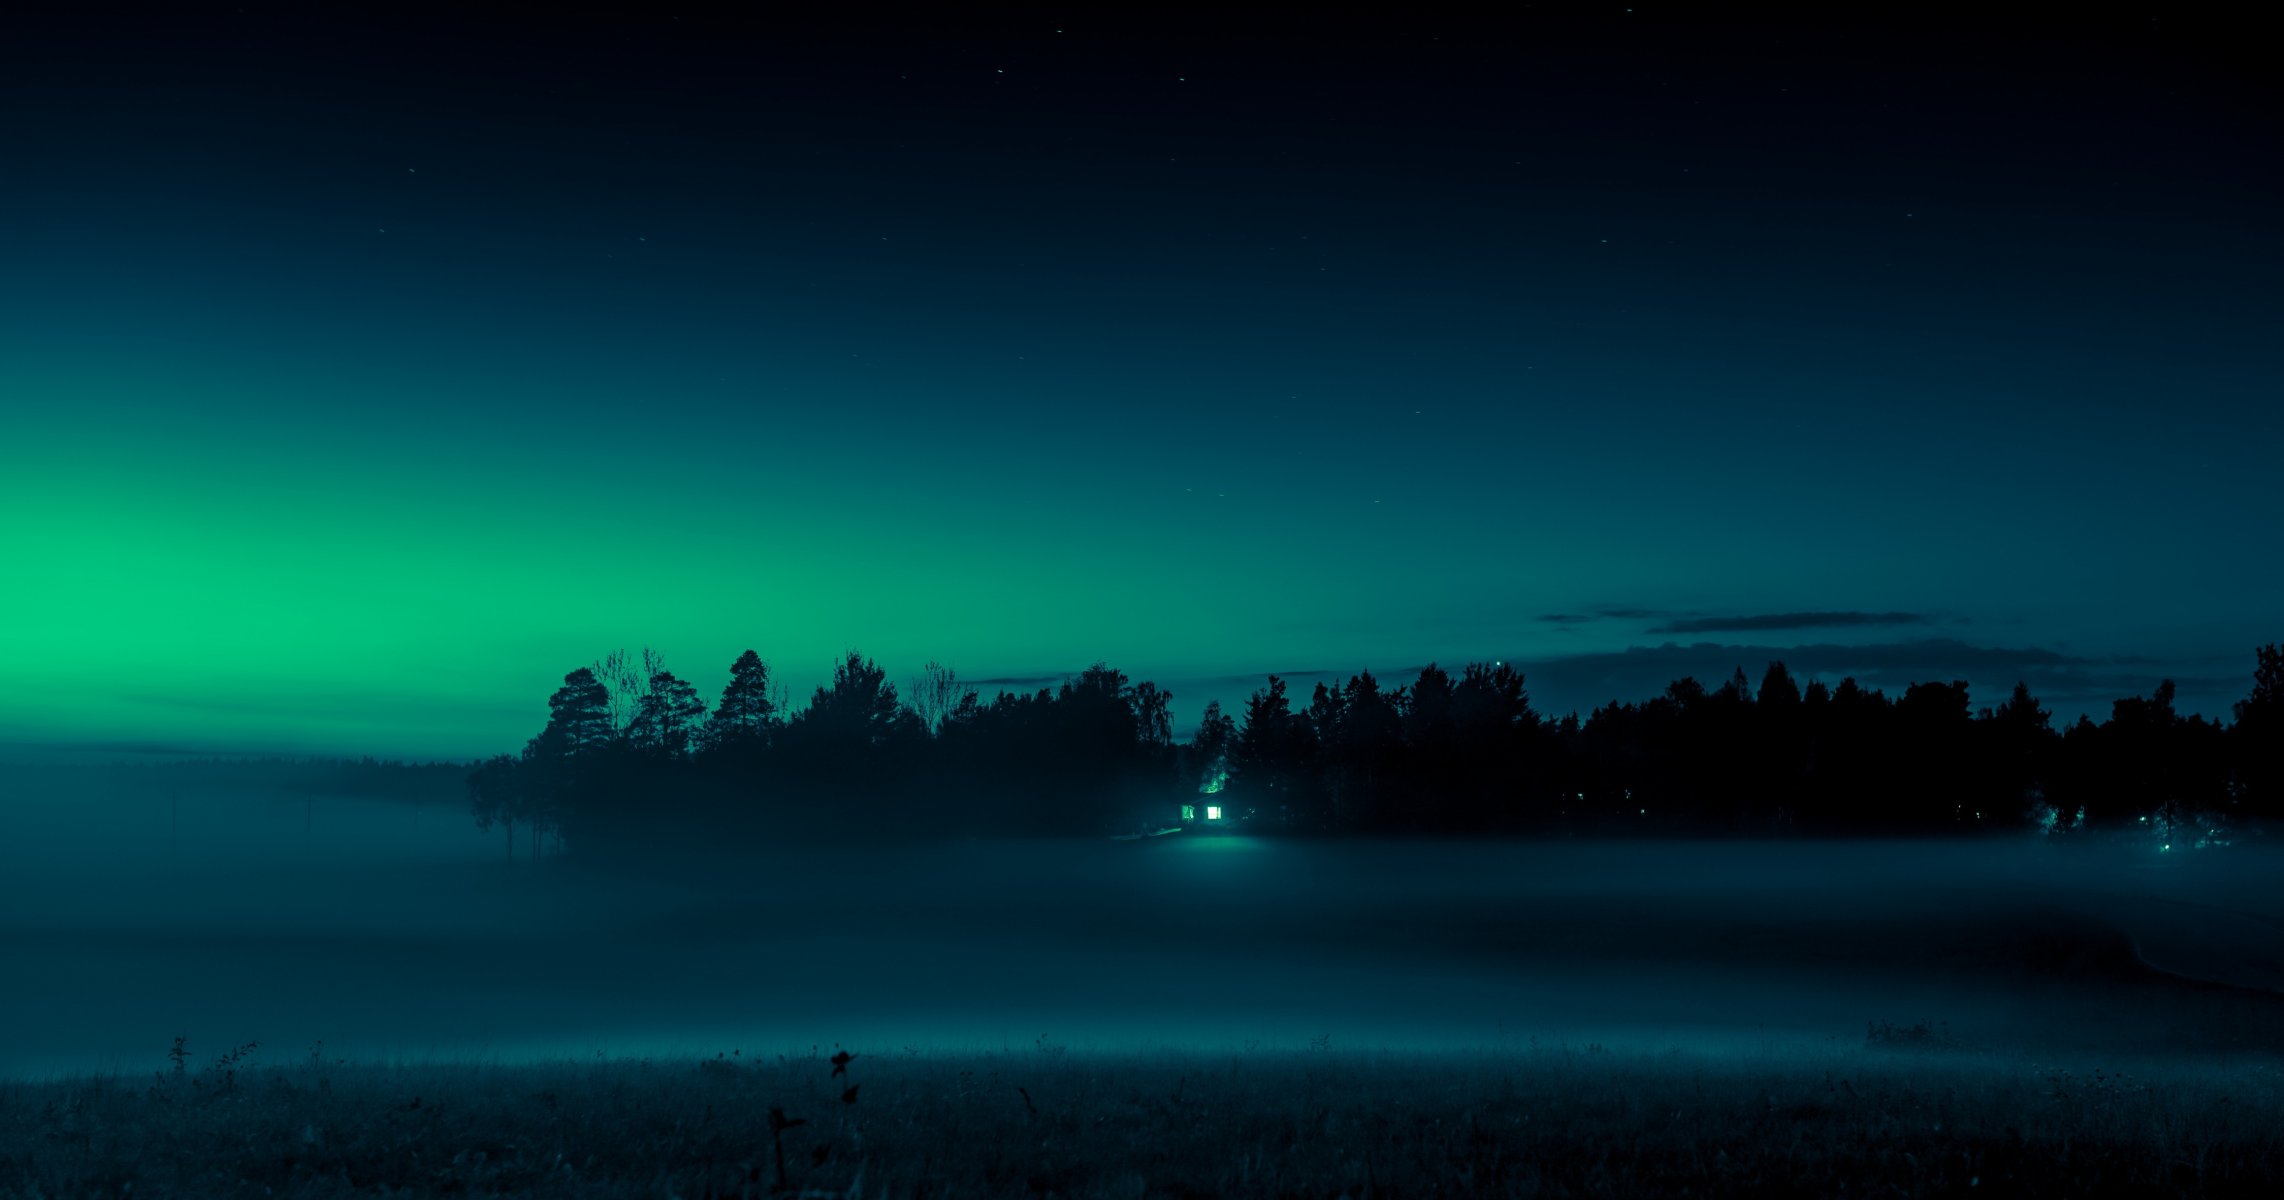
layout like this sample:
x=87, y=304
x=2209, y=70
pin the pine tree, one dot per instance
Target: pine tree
x=1779, y=694
x=2259, y=736
x=579, y=715
x=1262, y=753
x=746, y=716
x=1211, y=746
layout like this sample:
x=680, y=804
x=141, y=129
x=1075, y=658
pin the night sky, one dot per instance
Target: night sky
x=359, y=376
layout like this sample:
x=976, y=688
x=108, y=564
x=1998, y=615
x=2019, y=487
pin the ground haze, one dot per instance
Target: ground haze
x=391, y=931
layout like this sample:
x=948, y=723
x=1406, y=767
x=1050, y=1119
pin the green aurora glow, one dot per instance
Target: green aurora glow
x=346, y=417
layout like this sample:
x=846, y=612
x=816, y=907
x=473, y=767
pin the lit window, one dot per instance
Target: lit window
x=1212, y=812
x=1189, y=812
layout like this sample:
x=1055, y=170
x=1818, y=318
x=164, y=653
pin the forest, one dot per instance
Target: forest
x=632, y=761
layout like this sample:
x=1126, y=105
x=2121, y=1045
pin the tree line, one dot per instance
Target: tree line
x=633, y=760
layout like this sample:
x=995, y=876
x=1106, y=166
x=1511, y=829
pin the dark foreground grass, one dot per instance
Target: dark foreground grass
x=1848, y=1121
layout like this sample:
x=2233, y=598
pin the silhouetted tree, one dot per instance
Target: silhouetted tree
x=625, y=678
x=1778, y=694
x=1364, y=754
x=853, y=749
x=1444, y=755
x=934, y=693
x=1098, y=709
x=1850, y=785
x=1153, y=715
x=579, y=720
x=858, y=708
x=1267, y=757
x=1492, y=771
x=2258, y=736
x=747, y=714
x=1211, y=746
x=1782, y=743
x=1685, y=694
x=496, y=795
x=666, y=718
x=1427, y=715
x=2019, y=742
x=1934, y=776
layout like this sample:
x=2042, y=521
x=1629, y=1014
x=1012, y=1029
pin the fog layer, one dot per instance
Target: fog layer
x=395, y=931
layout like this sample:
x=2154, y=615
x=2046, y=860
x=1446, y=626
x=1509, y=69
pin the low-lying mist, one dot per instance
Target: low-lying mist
x=394, y=931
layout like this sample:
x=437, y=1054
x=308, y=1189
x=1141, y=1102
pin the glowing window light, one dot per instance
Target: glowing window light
x=1212, y=812
x=1189, y=812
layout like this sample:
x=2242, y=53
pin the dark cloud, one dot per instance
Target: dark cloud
x=1262, y=677
x=1770, y=622
x=1024, y=681
x=1606, y=613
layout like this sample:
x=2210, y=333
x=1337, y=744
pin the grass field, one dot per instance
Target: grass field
x=1825, y=1020
x=1901, y=1112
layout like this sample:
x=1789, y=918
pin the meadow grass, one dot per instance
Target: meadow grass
x=1887, y=1117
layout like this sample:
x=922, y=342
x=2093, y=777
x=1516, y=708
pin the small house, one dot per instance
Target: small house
x=1197, y=813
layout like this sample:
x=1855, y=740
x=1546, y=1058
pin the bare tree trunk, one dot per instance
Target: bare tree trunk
x=934, y=693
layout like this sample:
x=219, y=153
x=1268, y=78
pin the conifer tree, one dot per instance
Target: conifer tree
x=746, y=715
